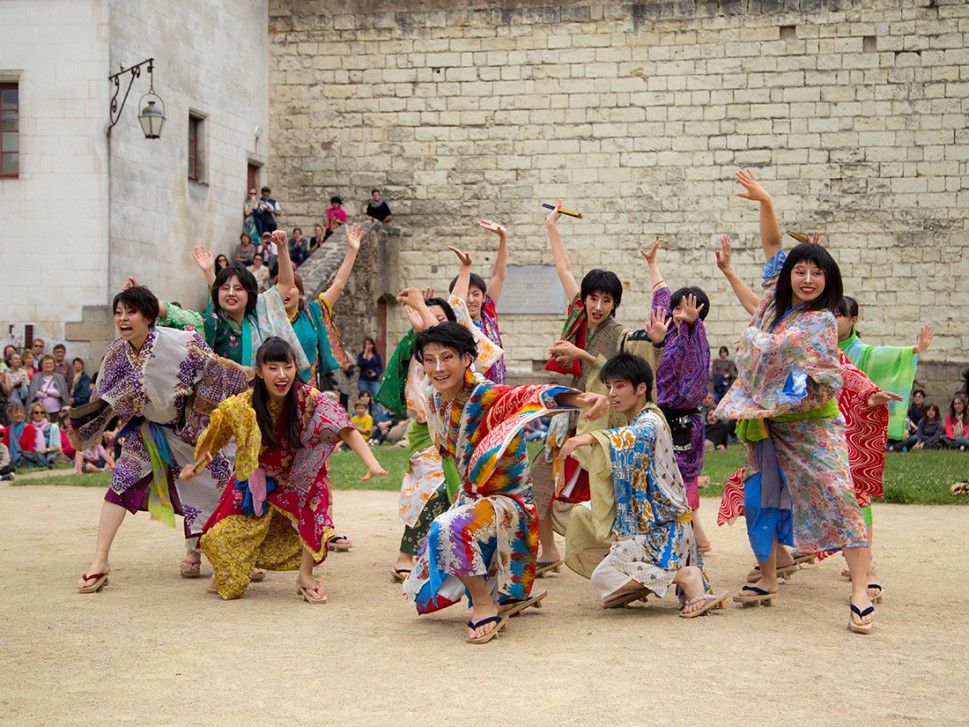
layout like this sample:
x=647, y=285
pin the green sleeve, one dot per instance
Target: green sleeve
x=180, y=318
x=391, y=391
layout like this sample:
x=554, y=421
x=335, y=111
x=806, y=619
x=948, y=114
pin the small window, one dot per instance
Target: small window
x=9, y=130
x=196, y=167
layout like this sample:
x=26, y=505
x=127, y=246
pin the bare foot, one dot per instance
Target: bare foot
x=861, y=606
x=91, y=574
x=764, y=584
x=405, y=561
x=691, y=582
x=479, y=613
x=313, y=588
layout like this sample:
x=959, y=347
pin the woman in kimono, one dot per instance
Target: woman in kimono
x=275, y=513
x=798, y=484
x=238, y=318
x=162, y=384
x=426, y=490
x=486, y=542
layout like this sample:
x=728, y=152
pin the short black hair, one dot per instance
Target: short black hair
x=336, y=200
x=445, y=306
x=138, y=298
x=602, y=281
x=265, y=189
x=631, y=368
x=918, y=391
x=298, y=229
x=848, y=307
x=701, y=297
x=246, y=279
x=833, y=287
x=476, y=282
x=78, y=358
x=450, y=335
x=59, y=346
x=276, y=350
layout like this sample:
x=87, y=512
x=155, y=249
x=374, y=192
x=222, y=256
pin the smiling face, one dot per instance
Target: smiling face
x=598, y=306
x=807, y=283
x=38, y=415
x=917, y=398
x=475, y=301
x=445, y=368
x=625, y=398
x=131, y=324
x=15, y=361
x=278, y=376
x=233, y=298
x=17, y=414
x=47, y=367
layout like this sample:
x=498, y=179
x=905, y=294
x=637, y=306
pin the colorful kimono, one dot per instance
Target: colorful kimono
x=278, y=503
x=865, y=433
x=239, y=341
x=798, y=483
x=164, y=394
x=639, y=510
x=489, y=327
x=681, y=384
x=319, y=340
x=491, y=530
x=891, y=368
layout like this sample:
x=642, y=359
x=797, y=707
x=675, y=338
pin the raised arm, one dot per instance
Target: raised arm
x=770, y=230
x=413, y=301
x=501, y=259
x=285, y=280
x=655, y=276
x=748, y=298
x=206, y=262
x=464, y=275
x=332, y=294
x=563, y=266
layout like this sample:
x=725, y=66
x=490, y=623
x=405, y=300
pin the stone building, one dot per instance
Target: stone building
x=85, y=209
x=853, y=113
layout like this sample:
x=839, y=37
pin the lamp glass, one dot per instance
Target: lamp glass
x=152, y=120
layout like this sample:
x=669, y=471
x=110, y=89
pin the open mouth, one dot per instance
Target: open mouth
x=281, y=386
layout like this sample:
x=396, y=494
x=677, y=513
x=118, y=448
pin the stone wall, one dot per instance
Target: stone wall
x=852, y=113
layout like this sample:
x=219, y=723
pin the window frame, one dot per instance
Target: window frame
x=195, y=158
x=10, y=85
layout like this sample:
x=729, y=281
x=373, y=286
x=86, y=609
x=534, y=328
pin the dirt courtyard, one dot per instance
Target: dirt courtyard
x=156, y=649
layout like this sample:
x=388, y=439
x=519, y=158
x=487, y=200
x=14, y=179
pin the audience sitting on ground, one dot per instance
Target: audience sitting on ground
x=261, y=273
x=244, y=251
x=94, y=459
x=957, y=423
x=928, y=433
x=335, y=216
x=717, y=432
x=298, y=249
x=377, y=208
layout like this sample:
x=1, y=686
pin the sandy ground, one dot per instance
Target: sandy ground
x=156, y=649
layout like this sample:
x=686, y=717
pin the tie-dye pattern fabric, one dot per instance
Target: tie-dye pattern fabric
x=491, y=529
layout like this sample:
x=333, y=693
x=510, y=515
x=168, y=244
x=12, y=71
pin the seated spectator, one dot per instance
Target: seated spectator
x=362, y=421
x=298, y=248
x=261, y=273
x=317, y=239
x=709, y=402
x=717, y=432
x=82, y=384
x=62, y=366
x=335, y=216
x=94, y=459
x=377, y=209
x=957, y=424
x=221, y=263
x=67, y=449
x=6, y=466
x=928, y=434
x=267, y=248
x=916, y=410
x=13, y=433
x=40, y=442
x=48, y=388
x=724, y=372
x=244, y=251
x=383, y=421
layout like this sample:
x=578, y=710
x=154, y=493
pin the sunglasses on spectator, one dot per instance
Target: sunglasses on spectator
x=39, y=411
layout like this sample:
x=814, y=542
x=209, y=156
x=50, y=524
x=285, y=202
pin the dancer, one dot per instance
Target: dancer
x=638, y=501
x=590, y=337
x=682, y=379
x=486, y=542
x=891, y=368
x=482, y=299
x=275, y=513
x=163, y=384
x=797, y=485
x=425, y=492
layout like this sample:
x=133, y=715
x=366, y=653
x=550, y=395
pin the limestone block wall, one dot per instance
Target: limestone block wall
x=852, y=113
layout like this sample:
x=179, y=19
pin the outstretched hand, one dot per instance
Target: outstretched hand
x=203, y=258
x=749, y=182
x=464, y=257
x=650, y=255
x=354, y=236
x=883, y=397
x=595, y=404
x=659, y=324
x=564, y=352
x=374, y=470
x=723, y=254
x=493, y=227
x=691, y=311
x=925, y=339
x=573, y=443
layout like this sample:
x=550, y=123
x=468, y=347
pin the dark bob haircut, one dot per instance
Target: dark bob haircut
x=476, y=282
x=602, y=281
x=833, y=287
x=631, y=368
x=701, y=297
x=450, y=335
x=138, y=298
x=445, y=306
x=848, y=307
x=276, y=350
x=246, y=279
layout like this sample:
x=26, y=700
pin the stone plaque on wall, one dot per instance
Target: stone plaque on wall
x=532, y=289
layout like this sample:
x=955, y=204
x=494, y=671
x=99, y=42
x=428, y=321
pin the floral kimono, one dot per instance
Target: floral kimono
x=489, y=326
x=278, y=503
x=639, y=508
x=798, y=483
x=239, y=341
x=681, y=384
x=491, y=529
x=319, y=340
x=164, y=394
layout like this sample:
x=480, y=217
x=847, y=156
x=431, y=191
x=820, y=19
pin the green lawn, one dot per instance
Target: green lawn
x=910, y=477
